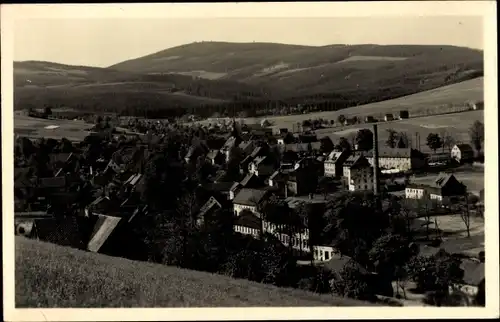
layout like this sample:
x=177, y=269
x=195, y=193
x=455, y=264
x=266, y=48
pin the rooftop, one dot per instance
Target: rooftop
x=250, y=197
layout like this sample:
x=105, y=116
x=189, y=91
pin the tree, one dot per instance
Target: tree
x=437, y=274
x=351, y=282
x=389, y=255
x=342, y=219
x=403, y=140
x=448, y=141
x=462, y=206
x=434, y=141
x=341, y=119
x=426, y=209
x=306, y=123
x=364, y=139
x=476, y=133
x=319, y=282
x=391, y=139
x=325, y=185
x=343, y=144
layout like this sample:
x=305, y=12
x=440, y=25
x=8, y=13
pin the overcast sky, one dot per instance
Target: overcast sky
x=103, y=42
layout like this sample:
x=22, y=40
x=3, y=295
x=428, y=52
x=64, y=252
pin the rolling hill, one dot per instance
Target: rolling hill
x=308, y=70
x=251, y=75
x=48, y=276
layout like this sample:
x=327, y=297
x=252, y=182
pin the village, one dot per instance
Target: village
x=95, y=194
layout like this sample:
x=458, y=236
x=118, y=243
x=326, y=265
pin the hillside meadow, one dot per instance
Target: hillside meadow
x=52, y=276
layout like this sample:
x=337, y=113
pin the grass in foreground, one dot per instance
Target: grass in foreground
x=48, y=275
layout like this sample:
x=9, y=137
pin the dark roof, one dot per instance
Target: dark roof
x=64, y=232
x=219, y=186
x=59, y=157
x=250, y=197
x=247, y=219
x=211, y=202
x=465, y=148
x=244, y=145
x=247, y=179
x=386, y=152
x=256, y=151
x=302, y=147
x=334, y=156
x=52, y=182
x=474, y=272
x=355, y=160
x=213, y=154
x=338, y=263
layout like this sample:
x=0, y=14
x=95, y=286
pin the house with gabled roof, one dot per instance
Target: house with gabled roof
x=446, y=185
x=250, y=199
x=358, y=173
x=400, y=159
x=215, y=157
x=333, y=164
x=248, y=224
x=462, y=153
x=261, y=166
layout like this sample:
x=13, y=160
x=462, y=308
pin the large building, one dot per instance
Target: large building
x=400, y=159
x=333, y=166
x=358, y=173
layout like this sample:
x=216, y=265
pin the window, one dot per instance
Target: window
x=327, y=255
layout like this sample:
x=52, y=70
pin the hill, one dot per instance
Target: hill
x=104, y=89
x=308, y=70
x=53, y=276
x=209, y=77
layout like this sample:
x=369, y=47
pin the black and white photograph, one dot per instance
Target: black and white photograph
x=256, y=156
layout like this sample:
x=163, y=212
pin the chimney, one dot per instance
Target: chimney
x=375, y=161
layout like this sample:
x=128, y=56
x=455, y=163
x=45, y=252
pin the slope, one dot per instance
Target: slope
x=44, y=83
x=307, y=70
x=52, y=276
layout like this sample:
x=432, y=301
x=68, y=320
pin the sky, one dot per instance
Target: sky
x=103, y=42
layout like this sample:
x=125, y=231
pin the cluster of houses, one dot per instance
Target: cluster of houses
x=279, y=165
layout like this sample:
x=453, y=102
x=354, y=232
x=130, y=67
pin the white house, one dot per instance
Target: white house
x=334, y=162
x=358, y=173
x=414, y=191
x=249, y=199
x=462, y=153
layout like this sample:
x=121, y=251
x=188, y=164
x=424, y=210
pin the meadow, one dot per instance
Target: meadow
x=416, y=104
x=48, y=275
x=73, y=130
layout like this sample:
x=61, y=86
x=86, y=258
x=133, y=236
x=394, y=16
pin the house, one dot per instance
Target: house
x=438, y=158
x=249, y=199
x=261, y=166
x=446, y=185
x=400, y=159
x=247, y=147
x=370, y=119
x=208, y=207
x=474, y=274
x=215, y=157
x=333, y=164
x=416, y=191
x=462, y=153
x=404, y=114
x=303, y=147
x=248, y=223
x=389, y=117
x=358, y=173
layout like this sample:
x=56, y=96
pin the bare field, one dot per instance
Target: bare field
x=35, y=128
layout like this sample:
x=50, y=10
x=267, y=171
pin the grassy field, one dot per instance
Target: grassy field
x=457, y=125
x=36, y=127
x=52, y=276
x=452, y=94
